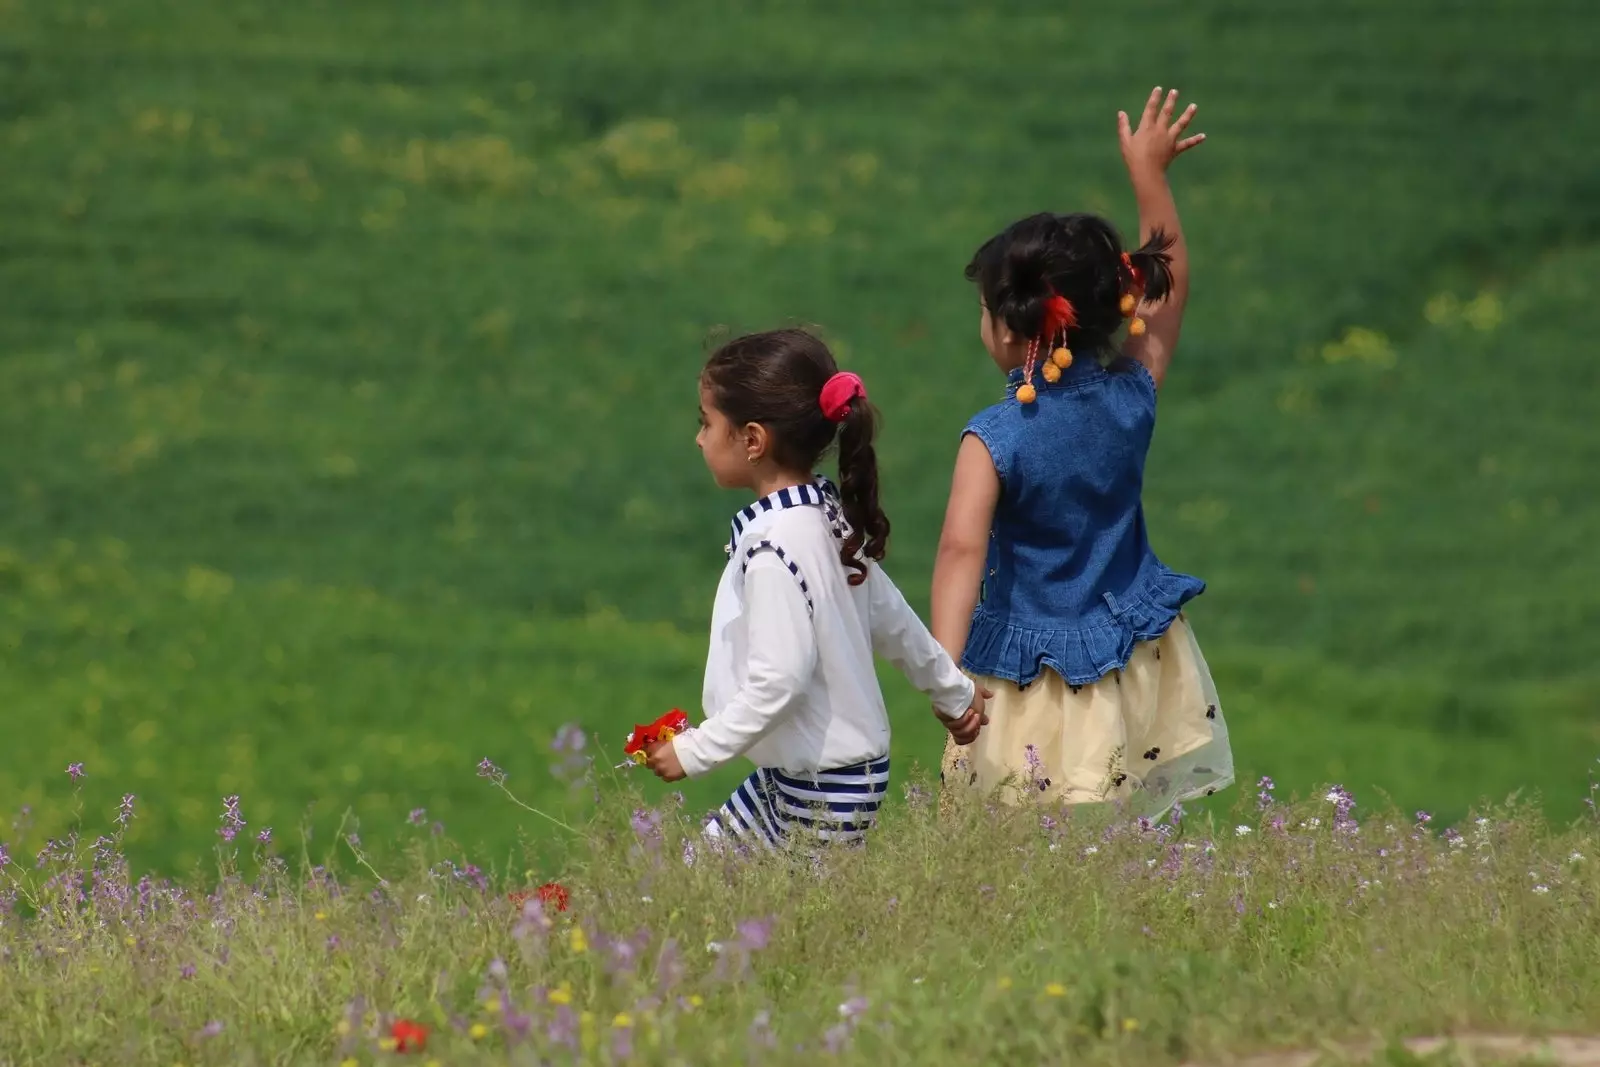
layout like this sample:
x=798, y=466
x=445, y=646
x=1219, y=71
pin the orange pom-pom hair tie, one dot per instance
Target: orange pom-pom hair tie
x=1059, y=317
x=1130, y=299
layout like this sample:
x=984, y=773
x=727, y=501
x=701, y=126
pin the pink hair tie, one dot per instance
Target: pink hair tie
x=841, y=389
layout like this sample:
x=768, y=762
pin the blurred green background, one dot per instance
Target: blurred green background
x=348, y=357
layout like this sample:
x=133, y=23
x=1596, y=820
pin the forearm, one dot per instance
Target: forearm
x=1158, y=210
x=899, y=636
x=957, y=577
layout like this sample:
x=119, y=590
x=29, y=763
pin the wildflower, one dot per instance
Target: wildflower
x=387, y=1044
x=320, y=916
x=5, y=857
x=754, y=934
x=1241, y=830
x=917, y=795
x=835, y=1038
x=1423, y=818
x=353, y=840
x=1130, y=1025
x=646, y=823
x=1541, y=889
x=1004, y=982
x=688, y=853
x=854, y=1008
x=487, y=770
x=578, y=942
x=1055, y=989
x=562, y=994
x=186, y=972
x=210, y=1029
x=265, y=836
x=478, y=1032
x=569, y=738
x=1091, y=850
x=497, y=970
x=622, y=1019
x=418, y=816
x=761, y=1035
x=232, y=821
x=1576, y=857
x=75, y=771
x=125, y=812
x=333, y=942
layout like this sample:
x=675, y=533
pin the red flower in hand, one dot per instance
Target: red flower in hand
x=642, y=738
x=409, y=1036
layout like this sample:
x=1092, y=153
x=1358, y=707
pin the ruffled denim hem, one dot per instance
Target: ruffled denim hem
x=1086, y=654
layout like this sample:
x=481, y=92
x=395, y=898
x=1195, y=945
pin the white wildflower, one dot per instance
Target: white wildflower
x=1541, y=889
x=1241, y=830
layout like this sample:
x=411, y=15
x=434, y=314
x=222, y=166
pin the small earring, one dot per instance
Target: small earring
x=753, y=460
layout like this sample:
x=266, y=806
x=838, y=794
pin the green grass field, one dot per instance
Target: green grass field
x=348, y=355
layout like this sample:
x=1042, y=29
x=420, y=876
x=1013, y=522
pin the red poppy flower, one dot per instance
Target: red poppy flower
x=640, y=738
x=552, y=895
x=409, y=1036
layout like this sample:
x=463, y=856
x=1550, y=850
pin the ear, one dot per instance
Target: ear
x=756, y=441
x=1006, y=335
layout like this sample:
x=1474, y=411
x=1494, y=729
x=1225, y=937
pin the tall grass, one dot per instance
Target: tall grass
x=996, y=936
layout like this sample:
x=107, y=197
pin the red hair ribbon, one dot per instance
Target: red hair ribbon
x=837, y=394
x=1059, y=314
x=1138, y=275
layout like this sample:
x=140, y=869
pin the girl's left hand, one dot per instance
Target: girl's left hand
x=663, y=760
x=1150, y=149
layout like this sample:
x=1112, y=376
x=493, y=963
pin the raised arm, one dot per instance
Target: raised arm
x=1148, y=151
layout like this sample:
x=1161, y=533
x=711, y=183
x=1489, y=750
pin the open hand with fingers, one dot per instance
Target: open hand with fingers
x=1159, y=139
x=966, y=728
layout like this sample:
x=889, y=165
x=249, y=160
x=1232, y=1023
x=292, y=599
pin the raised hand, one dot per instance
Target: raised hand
x=1158, y=140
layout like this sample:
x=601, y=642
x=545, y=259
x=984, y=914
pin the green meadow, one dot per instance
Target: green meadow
x=348, y=357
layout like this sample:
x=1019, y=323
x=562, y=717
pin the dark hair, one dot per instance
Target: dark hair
x=1076, y=256
x=776, y=379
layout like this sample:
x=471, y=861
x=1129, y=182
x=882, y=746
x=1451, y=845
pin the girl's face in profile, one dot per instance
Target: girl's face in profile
x=722, y=447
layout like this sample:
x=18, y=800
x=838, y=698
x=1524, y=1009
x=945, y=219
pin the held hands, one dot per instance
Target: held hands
x=965, y=729
x=1149, y=150
x=662, y=759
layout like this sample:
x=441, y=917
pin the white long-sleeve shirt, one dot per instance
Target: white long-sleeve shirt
x=790, y=679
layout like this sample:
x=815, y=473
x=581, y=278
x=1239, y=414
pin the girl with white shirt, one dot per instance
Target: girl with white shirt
x=803, y=605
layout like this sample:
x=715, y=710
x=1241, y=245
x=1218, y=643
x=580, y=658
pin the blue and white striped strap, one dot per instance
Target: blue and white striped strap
x=795, y=496
x=783, y=557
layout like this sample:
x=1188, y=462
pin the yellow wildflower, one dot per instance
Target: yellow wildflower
x=349, y=1061
x=622, y=1021
x=478, y=1032
x=1005, y=982
x=342, y=1027
x=1130, y=1025
x=388, y=1044
x=580, y=943
x=561, y=994
x=491, y=1004
x=696, y=1000
x=320, y=916
x=1055, y=989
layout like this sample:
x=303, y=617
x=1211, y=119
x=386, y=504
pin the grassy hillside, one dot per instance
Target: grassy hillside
x=347, y=358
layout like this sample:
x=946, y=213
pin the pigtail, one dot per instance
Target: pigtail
x=1150, y=267
x=868, y=536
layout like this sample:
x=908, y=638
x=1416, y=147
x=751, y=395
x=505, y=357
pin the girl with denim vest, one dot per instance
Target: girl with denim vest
x=1046, y=587
x=803, y=604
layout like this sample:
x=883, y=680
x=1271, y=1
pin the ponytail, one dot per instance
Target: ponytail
x=868, y=537
x=1152, y=266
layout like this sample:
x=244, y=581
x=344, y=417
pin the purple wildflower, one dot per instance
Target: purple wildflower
x=622, y=1043
x=835, y=1038
x=265, y=836
x=646, y=824
x=437, y=829
x=333, y=942
x=761, y=1035
x=755, y=934
x=497, y=970
x=418, y=816
x=187, y=971
x=569, y=738
x=1264, y=798
x=487, y=770
x=232, y=821
x=353, y=840
x=563, y=1029
x=75, y=771
x=1423, y=818
x=125, y=812
x=5, y=857
x=688, y=853
x=854, y=1008
x=210, y=1029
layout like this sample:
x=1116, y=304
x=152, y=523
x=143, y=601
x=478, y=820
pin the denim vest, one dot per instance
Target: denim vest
x=1071, y=583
